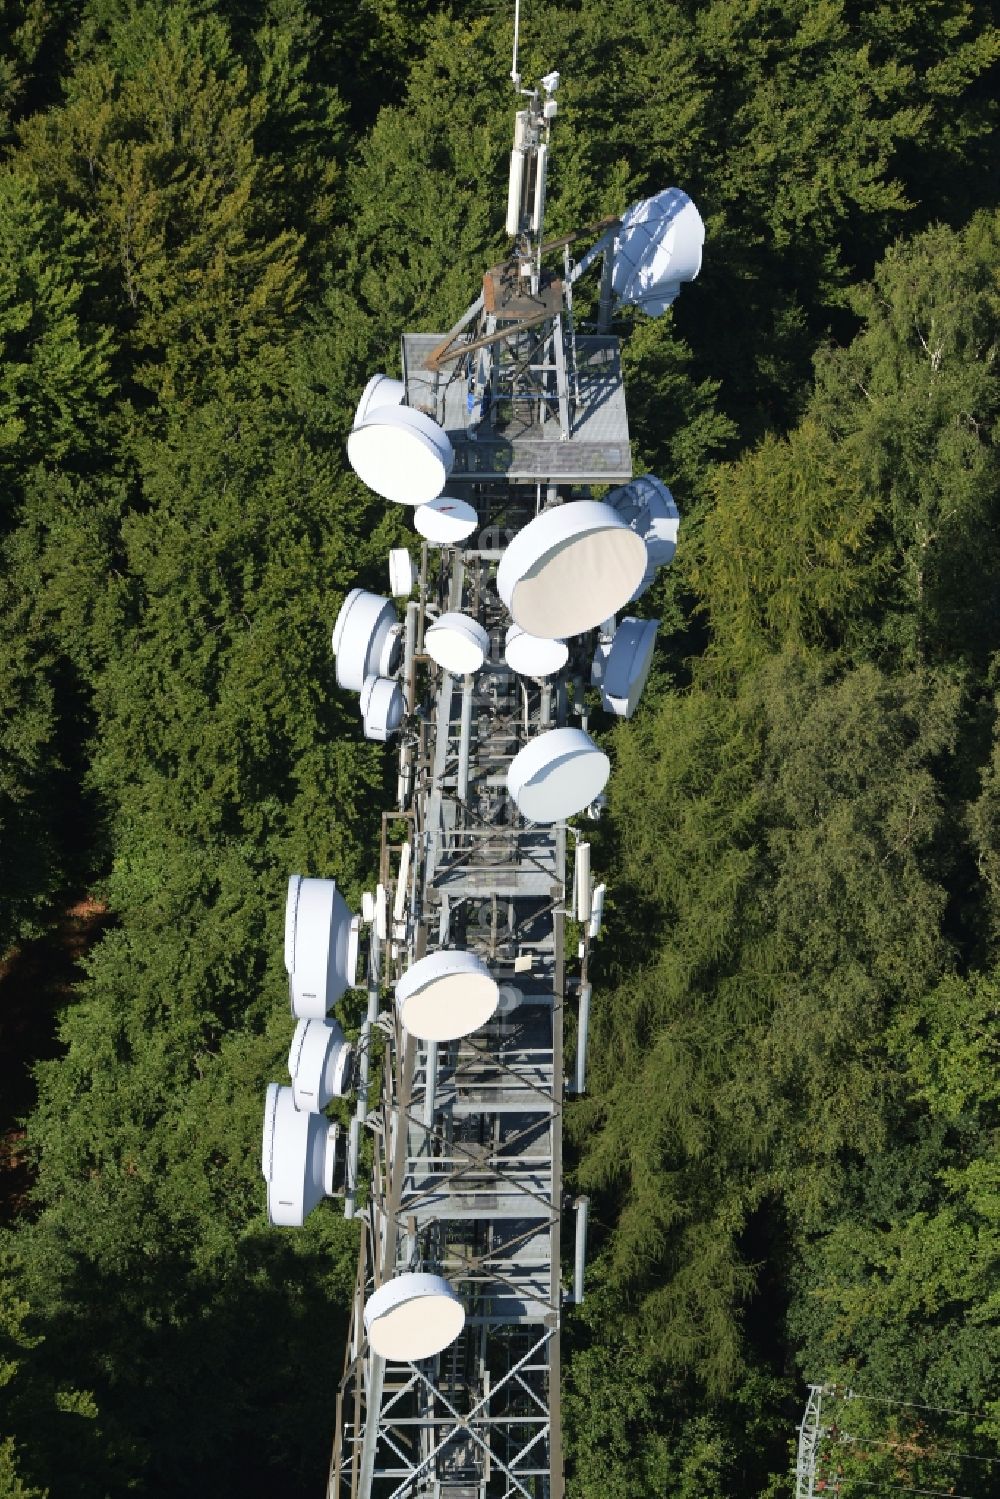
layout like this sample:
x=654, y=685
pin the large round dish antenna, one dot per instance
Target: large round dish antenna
x=366, y=634
x=298, y=1158
x=457, y=643
x=446, y=995
x=413, y=1316
x=657, y=249
x=627, y=665
x=446, y=521
x=557, y=774
x=321, y=946
x=380, y=391
x=319, y=1064
x=649, y=509
x=570, y=568
x=382, y=707
x=401, y=454
x=531, y=656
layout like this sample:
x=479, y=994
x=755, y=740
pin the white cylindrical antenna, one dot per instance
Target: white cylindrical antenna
x=399, y=905
x=515, y=188
x=538, y=213
x=583, y=885
x=515, y=75
x=597, y=912
x=582, y=1032
x=582, y=1206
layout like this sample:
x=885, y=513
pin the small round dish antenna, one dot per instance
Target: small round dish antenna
x=658, y=247
x=557, y=774
x=298, y=1158
x=446, y=521
x=367, y=629
x=570, y=568
x=413, y=1316
x=402, y=574
x=627, y=665
x=531, y=656
x=321, y=946
x=380, y=391
x=319, y=1064
x=446, y=995
x=383, y=707
x=457, y=643
x=401, y=454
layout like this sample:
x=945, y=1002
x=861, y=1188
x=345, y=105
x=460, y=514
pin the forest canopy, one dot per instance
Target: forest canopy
x=215, y=221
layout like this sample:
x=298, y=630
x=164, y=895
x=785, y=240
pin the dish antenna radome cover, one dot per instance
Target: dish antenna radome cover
x=383, y=707
x=298, y=1158
x=657, y=249
x=557, y=774
x=446, y=521
x=626, y=666
x=457, y=642
x=366, y=638
x=413, y=1316
x=380, y=391
x=446, y=995
x=401, y=454
x=321, y=946
x=570, y=568
x=319, y=1064
x=531, y=656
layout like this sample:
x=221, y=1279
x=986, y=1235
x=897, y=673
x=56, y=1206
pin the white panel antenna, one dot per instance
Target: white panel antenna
x=626, y=666
x=413, y=1316
x=402, y=574
x=569, y=568
x=401, y=454
x=321, y=946
x=446, y=995
x=584, y=889
x=457, y=643
x=657, y=248
x=366, y=639
x=298, y=1158
x=446, y=521
x=597, y=911
x=319, y=1064
x=557, y=774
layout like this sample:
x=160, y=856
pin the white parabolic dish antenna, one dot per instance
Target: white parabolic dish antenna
x=298, y=1158
x=557, y=774
x=657, y=248
x=446, y=995
x=401, y=454
x=446, y=521
x=319, y=1064
x=457, y=643
x=530, y=656
x=413, y=1316
x=321, y=946
x=382, y=707
x=627, y=665
x=365, y=638
x=570, y=568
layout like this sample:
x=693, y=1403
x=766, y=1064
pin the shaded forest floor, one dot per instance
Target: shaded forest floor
x=36, y=981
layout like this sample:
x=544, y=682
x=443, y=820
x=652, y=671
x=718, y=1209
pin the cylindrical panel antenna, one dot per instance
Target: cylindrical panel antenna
x=515, y=188
x=583, y=886
x=597, y=912
x=538, y=212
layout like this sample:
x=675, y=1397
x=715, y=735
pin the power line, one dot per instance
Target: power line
x=910, y=1405
x=898, y=1488
x=850, y=1436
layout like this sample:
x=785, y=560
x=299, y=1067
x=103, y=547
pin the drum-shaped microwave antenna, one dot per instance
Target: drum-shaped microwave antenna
x=626, y=666
x=401, y=454
x=457, y=642
x=657, y=248
x=446, y=521
x=298, y=1158
x=366, y=638
x=413, y=1316
x=383, y=707
x=380, y=391
x=321, y=946
x=569, y=568
x=531, y=656
x=319, y=1064
x=650, y=510
x=402, y=574
x=557, y=774
x=446, y=995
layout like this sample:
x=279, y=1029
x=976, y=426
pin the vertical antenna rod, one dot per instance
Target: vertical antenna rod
x=515, y=75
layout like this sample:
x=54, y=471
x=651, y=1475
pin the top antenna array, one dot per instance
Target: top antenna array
x=485, y=667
